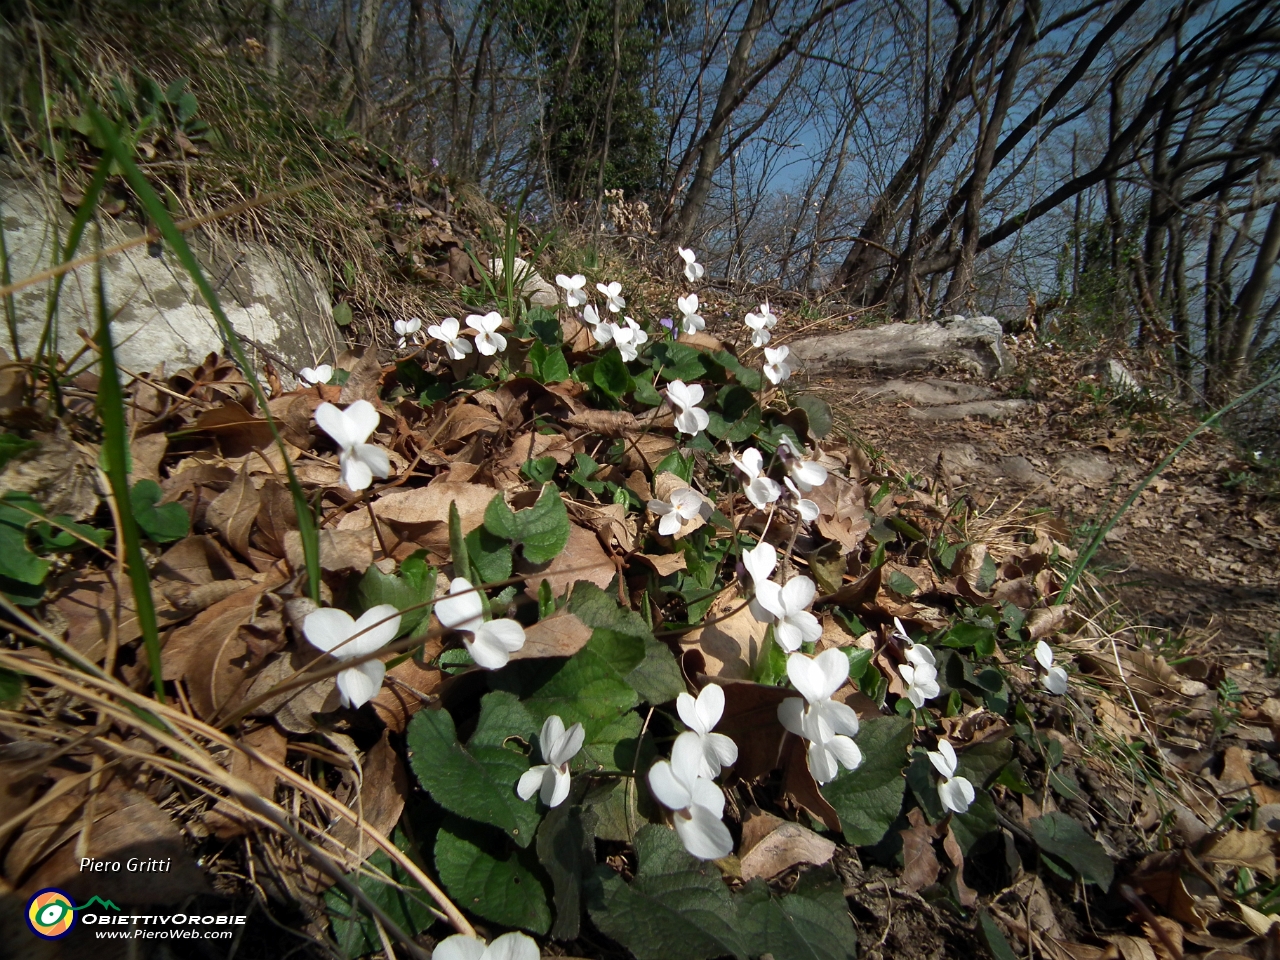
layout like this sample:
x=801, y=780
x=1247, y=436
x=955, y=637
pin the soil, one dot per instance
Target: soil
x=1195, y=559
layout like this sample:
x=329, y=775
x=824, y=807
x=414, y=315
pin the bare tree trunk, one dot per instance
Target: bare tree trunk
x=971, y=223
x=1250, y=300
x=275, y=36
x=360, y=47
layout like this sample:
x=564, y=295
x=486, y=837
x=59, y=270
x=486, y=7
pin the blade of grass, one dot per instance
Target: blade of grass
x=10, y=311
x=159, y=215
x=1077, y=569
x=115, y=444
x=48, y=336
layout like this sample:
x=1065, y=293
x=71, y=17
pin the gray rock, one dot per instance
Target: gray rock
x=533, y=287
x=991, y=409
x=928, y=393
x=1085, y=467
x=277, y=302
x=1019, y=469
x=1116, y=375
x=972, y=345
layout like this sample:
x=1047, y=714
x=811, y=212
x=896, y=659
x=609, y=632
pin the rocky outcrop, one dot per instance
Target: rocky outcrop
x=277, y=302
x=533, y=286
x=971, y=345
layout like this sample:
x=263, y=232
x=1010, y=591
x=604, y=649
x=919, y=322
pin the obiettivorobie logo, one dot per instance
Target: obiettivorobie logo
x=51, y=913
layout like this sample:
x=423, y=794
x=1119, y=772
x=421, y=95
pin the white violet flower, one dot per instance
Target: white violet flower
x=509, y=946
x=685, y=504
x=920, y=672
x=697, y=802
x=575, y=294
x=760, y=562
x=550, y=780
x=1055, y=678
x=613, y=296
x=406, y=329
x=333, y=630
x=690, y=322
x=602, y=331
x=314, y=375
x=359, y=462
x=701, y=715
x=690, y=418
x=485, y=328
x=776, y=367
x=492, y=642
x=784, y=607
x=693, y=270
x=807, y=509
x=627, y=339
x=827, y=724
x=806, y=473
x=760, y=490
x=760, y=334
x=956, y=793
x=449, y=332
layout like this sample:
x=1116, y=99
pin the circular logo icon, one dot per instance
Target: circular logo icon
x=51, y=914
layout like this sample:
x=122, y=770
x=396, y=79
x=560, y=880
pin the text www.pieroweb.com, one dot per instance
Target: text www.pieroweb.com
x=163, y=927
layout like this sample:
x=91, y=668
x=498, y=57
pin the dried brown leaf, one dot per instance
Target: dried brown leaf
x=408, y=688
x=293, y=709
x=233, y=512
x=340, y=550
x=430, y=504
x=787, y=845
x=920, y=866
x=581, y=559
x=560, y=635
x=1241, y=848
x=731, y=639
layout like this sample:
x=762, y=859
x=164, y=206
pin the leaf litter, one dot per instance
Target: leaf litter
x=1135, y=816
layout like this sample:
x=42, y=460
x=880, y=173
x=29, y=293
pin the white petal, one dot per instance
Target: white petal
x=359, y=685
x=760, y=561
x=670, y=524
x=790, y=637
x=722, y=747
x=355, y=473
x=769, y=597
x=555, y=786
x=808, y=510
x=459, y=947
x=666, y=788
x=807, y=677
x=552, y=730
x=791, y=715
x=327, y=627
x=531, y=781
x=686, y=758
x=797, y=594
x=686, y=502
x=762, y=491
x=808, y=474
x=928, y=687
x=750, y=462
x=956, y=794
x=566, y=747
x=944, y=759
x=708, y=796
x=689, y=304
x=375, y=458
x=710, y=706
x=1055, y=681
x=921, y=656
x=459, y=610
x=1044, y=654
x=511, y=946
x=334, y=422
x=839, y=717
x=687, y=255
x=494, y=642
x=822, y=762
x=834, y=666
x=687, y=708
x=367, y=637
x=845, y=751
x=704, y=835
